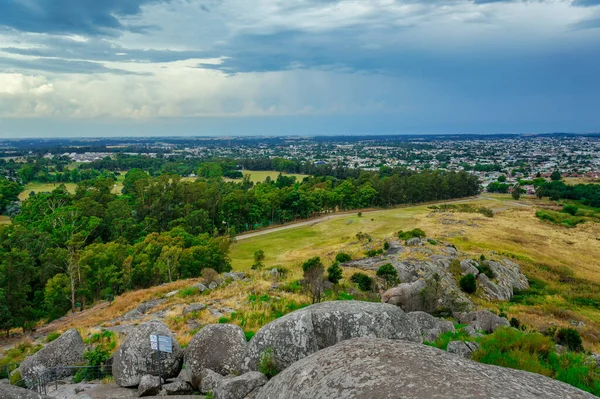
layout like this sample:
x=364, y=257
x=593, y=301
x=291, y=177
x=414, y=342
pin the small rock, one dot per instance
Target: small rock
x=471, y=332
x=201, y=287
x=215, y=312
x=431, y=327
x=482, y=320
x=149, y=386
x=193, y=308
x=463, y=349
x=177, y=388
x=193, y=324
x=207, y=380
x=413, y=242
x=213, y=285
x=170, y=294
x=239, y=387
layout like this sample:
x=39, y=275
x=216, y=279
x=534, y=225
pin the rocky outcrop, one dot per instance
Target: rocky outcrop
x=405, y=295
x=507, y=279
x=380, y=368
x=194, y=308
x=462, y=348
x=66, y=350
x=177, y=387
x=431, y=327
x=136, y=358
x=239, y=387
x=482, y=320
x=300, y=333
x=149, y=386
x=218, y=347
x=14, y=392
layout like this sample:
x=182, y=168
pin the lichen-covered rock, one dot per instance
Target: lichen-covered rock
x=193, y=308
x=469, y=266
x=482, y=320
x=13, y=392
x=405, y=295
x=380, y=368
x=413, y=242
x=136, y=358
x=66, y=350
x=208, y=381
x=492, y=290
x=305, y=331
x=219, y=347
x=177, y=387
x=470, y=331
x=239, y=387
x=507, y=279
x=431, y=327
x=463, y=349
x=147, y=306
x=149, y=386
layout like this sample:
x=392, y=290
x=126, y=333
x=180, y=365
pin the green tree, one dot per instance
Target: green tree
x=334, y=273
x=468, y=284
x=389, y=274
x=516, y=192
x=555, y=176
x=259, y=258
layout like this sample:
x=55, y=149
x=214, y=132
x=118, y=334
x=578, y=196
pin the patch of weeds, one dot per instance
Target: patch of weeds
x=52, y=336
x=187, y=292
x=266, y=363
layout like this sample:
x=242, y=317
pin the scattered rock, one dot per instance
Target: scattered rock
x=406, y=295
x=201, y=287
x=193, y=308
x=482, y=320
x=413, y=242
x=431, y=327
x=177, y=388
x=305, y=331
x=66, y=350
x=239, y=387
x=469, y=266
x=149, y=305
x=13, y=392
x=170, y=294
x=136, y=358
x=218, y=347
x=149, y=385
x=215, y=312
x=381, y=368
x=463, y=349
x=193, y=325
x=471, y=332
x=213, y=285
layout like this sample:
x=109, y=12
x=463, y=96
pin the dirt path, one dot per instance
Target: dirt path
x=312, y=222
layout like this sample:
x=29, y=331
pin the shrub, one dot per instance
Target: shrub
x=389, y=273
x=94, y=357
x=343, y=257
x=334, y=273
x=407, y=235
x=514, y=322
x=188, y=291
x=570, y=209
x=486, y=269
x=374, y=252
x=249, y=335
x=52, y=336
x=386, y=245
x=570, y=338
x=209, y=275
x=468, y=284
x=364, y=282
x=266, y=363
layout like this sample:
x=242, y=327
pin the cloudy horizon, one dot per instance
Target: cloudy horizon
x=221, y=67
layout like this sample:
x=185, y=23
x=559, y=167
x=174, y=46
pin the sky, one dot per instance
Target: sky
x=311, y=67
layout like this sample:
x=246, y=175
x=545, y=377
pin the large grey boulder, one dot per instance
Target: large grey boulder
x=66, y=350
x=239, y=387
x=406, y=295
x=13, y=392
x=149, y=385
x=177, y=387
x=431, y=327
x=218, y=347
x=209, y=381
x=136, y=358
x=507, y=279
x=386, y=369
x=482, y=320
x=305, y=331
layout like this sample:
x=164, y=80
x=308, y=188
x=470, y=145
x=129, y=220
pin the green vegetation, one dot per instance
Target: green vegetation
x=334, y=273
x=564, y=219
x=444, y=339
x=313, y=274
x=364, y=282
x=266, y=363
x=414, y=233
x=389, y=274
x=464, y=208
x=536, y=353
x=52, y=336
x=570, y=338
x=468, y=284
x=343, y=257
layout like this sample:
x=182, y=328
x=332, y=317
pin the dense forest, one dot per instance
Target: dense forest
x=64, y=250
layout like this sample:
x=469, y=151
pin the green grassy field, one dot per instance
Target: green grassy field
x=259, y=176
x=4, y=220
x=43, y=187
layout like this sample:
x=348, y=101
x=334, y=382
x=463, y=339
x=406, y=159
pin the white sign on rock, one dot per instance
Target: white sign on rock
x=161, y=343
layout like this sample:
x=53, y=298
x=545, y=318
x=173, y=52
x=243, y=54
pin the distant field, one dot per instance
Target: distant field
x=580, y=180
x=44, y=187
x=4, y=220
x=259, y=176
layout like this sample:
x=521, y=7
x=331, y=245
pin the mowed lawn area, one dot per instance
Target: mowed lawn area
x=4, y=220
x=259, y=176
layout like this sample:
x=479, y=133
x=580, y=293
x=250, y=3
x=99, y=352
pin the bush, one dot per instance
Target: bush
x=514, y=322
x=343, y=257
x=249, y=335
x=364, y=282
x=373, y=252
x=570, y=338
x=389, y=273
x=188, y=291
x=386, y=245
x=570, y=209
x=266, y=363
x=334, y=273
x=407, y=235
x=468, y=284
x=486, y=269
x=209, y=275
